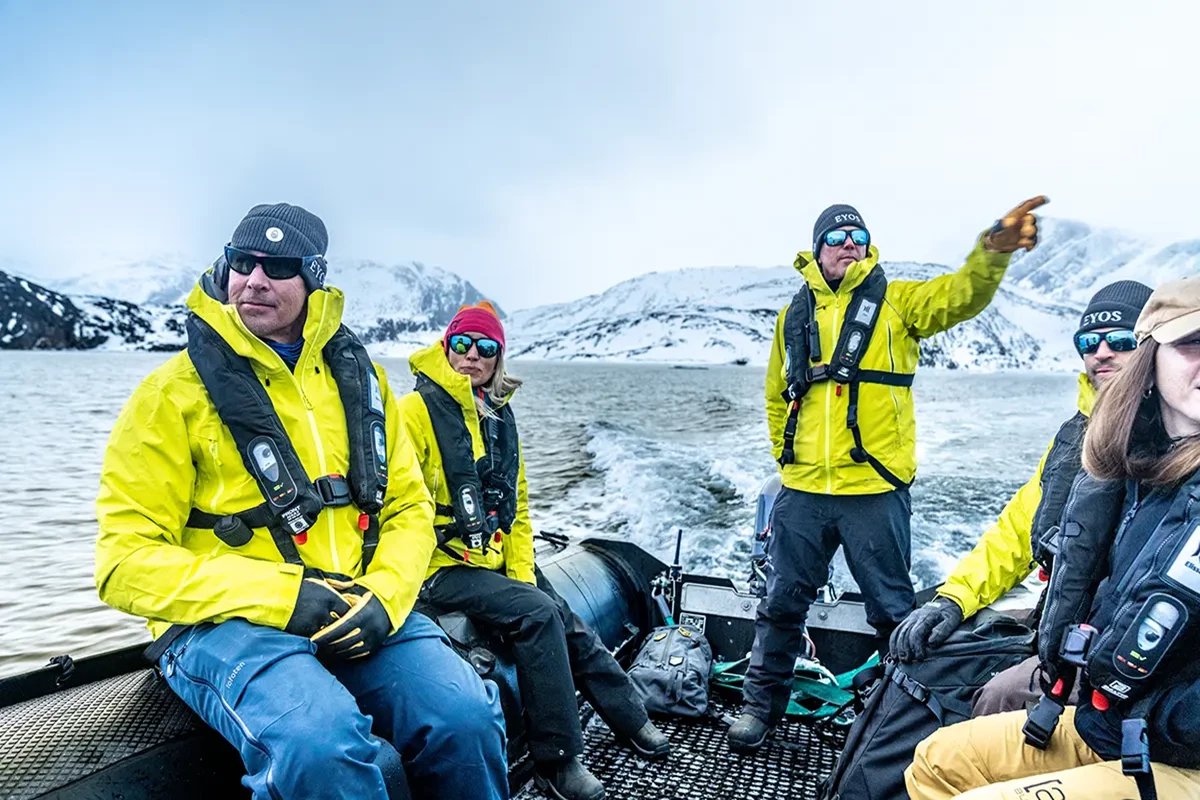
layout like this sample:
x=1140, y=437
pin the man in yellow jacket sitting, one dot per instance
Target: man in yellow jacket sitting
x=262, y=509
x=840, y=412
x=1021, y=537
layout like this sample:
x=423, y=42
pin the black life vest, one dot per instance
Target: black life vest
x=1150, y=617
x=802, y=342
x=483, y=493
x=1063, y=463
x=292, y=501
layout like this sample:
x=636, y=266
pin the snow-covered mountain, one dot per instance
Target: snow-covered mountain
x=1074, y=259
x=163, y=280
x=33, y=317
x=727, y=314
x=139, y=306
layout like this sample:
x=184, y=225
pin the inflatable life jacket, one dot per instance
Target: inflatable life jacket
x=483, y=493
x=1062, y=464
x=1131, y=655
x=291, y=501
x=802, y=340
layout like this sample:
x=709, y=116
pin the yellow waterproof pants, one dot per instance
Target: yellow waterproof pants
x=987, y=759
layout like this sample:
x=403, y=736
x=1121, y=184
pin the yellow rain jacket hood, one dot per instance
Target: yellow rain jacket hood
x=169, y=453
x=515, y=550
x=912, y=310
x=1003, y=557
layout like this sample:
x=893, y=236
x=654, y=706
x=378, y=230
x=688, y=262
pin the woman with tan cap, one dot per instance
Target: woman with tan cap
x=464, y=433
x=1137, y=727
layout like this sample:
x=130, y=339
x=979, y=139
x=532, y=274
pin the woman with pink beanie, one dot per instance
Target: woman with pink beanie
x=464, y=433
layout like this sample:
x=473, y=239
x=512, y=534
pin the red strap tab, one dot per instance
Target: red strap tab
x=1057, y=691
x=364, y=522
x=1043, y=575
x=496, y=538
x=301, y=538
x=838, y=390
x=466, y=555
x=1099, y=701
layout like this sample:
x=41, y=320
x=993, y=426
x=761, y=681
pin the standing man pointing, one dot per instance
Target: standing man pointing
x=843, y=429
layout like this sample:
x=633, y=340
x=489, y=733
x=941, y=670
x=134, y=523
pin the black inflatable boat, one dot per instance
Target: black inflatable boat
x=108, y=727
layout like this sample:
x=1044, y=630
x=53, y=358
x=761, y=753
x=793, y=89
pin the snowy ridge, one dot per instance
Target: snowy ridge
x=395, y=308
x=727, y=315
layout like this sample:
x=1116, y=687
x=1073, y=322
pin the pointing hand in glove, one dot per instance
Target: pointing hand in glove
x=925, y=628
x=356, y=633
x=1017, y=229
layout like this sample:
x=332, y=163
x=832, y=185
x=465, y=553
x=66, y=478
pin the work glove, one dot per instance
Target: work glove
x=342, y=584
x=356, y=633
x=1017, y=229
x=925, y=628
x=317, y=605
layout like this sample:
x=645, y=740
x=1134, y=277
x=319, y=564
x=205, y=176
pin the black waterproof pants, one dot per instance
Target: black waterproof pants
x=806, y=530
x=554, y=650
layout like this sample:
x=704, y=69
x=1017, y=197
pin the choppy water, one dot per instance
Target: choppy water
x=629, y=451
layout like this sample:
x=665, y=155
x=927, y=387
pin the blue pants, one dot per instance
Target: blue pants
x=806, y=530
x=304, y=727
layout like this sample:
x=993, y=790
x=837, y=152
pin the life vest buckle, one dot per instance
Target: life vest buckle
x=1135, y=747
x=334, y=491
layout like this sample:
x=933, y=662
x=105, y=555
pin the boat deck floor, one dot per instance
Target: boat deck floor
x=701, y=767
x=51, y=743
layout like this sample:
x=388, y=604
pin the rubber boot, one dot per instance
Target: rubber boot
x=748, y=734
x=649, y=742
x=568, y=780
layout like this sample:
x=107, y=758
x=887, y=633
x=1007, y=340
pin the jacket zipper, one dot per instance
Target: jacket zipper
x=213, y=451
x=829, y=404
x=316, y=436
x=173, y=666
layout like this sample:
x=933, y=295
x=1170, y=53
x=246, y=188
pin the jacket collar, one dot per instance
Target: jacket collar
x=432, y=362
x=324, y=318
x=1087, y=395
x=856, y=273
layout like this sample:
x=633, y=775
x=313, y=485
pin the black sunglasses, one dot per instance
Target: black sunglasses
x=1118, y=341
x=277, y=268
x=461, y=344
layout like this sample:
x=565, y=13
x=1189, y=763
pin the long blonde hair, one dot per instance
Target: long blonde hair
x=1125, y=435
x=498, y=388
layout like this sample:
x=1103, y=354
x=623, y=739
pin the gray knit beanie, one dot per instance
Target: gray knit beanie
x=281, y=230
x=832, y=218
x=1115, y=306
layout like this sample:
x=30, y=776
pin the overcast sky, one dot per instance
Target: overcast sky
x=548, y=150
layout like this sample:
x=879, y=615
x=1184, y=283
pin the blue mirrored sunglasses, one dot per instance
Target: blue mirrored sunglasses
x=1118, y=341
x=838, y=238
x=461, y=344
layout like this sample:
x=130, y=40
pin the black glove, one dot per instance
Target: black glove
x=317, y=605
x=357, y=633
x=927, y=627
x=342, y=584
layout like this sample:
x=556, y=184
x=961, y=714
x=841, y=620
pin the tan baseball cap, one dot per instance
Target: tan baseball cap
x=1172, y=312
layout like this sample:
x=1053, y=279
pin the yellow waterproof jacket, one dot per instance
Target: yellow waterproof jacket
x=515, y=551
x=169, y=453
x=1003, y=557
x=912, y=310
